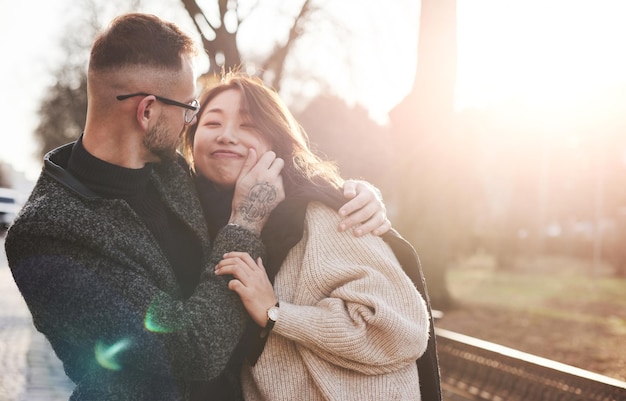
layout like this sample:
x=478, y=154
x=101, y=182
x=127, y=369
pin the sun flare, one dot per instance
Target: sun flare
x=542, y=53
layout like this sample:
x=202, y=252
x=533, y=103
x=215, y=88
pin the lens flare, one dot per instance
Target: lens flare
x=164, y=316
x=106, y=354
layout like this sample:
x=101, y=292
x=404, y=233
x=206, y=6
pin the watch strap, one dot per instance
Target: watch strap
x=270, y=323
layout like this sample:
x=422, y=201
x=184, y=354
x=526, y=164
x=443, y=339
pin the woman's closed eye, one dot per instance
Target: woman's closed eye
x=249, y=126
x=213, y=124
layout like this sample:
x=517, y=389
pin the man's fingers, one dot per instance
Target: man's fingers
x=266, y=160
x=249, y=163
x=376, y=225
x=383, y=228
x=356, y=204
x=363, y=221
x=365, y=211
x=349, y=189
x=357, y=213
x=277, y=165
x=266, y=167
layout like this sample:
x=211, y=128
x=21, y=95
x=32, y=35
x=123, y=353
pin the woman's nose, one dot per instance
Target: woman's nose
x=227, y=136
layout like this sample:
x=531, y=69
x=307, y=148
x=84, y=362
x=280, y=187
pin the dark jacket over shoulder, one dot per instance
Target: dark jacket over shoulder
x=428, y=363
x=102, y=291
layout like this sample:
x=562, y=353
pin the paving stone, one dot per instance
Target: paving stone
x=30, y=371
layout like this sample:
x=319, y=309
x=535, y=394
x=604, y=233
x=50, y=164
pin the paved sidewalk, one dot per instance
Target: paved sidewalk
x=29, y=370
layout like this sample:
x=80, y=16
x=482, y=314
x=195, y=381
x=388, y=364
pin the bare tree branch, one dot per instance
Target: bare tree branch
x=276, y=61
x=222, y=50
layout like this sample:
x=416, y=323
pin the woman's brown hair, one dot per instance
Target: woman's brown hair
x=277, y=125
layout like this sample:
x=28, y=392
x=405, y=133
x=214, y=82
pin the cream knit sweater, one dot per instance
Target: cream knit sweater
x=351, y=322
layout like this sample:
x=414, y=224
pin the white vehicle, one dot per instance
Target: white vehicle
x=8, y=207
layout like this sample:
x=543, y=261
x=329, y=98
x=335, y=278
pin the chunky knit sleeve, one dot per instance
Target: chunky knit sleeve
x=351, y=305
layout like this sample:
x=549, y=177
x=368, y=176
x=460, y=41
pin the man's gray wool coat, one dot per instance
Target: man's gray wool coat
x=103, y=293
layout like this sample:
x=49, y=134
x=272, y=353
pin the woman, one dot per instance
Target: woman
x=350, y=324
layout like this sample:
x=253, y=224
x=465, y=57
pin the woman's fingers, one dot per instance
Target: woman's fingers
x=241, y=267
x=250, y=283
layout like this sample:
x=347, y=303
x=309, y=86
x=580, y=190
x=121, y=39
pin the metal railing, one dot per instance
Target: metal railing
x=474, y=369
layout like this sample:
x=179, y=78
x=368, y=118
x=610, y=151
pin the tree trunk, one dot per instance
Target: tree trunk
x=427, y=164
x=224, y=43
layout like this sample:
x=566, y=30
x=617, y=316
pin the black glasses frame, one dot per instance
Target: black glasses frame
x=190, y=113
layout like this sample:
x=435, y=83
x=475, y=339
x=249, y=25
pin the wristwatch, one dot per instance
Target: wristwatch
x=272, y=317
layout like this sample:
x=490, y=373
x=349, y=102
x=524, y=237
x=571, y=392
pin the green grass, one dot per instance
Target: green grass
x=558, y=308
x=551, y=286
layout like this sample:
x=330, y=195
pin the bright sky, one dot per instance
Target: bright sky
x=541, y=51
x=24, y=71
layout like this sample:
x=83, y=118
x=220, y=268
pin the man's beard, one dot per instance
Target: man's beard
x=160, y=142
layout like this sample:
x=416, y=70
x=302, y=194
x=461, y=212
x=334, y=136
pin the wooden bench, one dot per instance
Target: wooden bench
x=472, y=369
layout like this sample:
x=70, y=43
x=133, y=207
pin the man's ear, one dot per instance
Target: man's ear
x=146, y=110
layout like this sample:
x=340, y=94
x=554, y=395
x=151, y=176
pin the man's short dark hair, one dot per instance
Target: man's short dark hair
x=141, y=40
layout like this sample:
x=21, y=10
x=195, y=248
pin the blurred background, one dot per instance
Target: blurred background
x=495, y=129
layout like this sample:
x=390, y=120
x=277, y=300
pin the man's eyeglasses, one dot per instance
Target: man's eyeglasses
x=191, y=108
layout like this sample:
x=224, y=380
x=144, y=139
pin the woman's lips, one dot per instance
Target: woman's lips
x=226, y=154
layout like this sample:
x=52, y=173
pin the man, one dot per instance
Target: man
x=111, y=252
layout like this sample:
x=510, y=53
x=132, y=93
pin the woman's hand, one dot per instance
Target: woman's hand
x=365, y=207
x=250, y=282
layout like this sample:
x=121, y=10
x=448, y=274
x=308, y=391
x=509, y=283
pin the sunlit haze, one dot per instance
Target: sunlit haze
x=539, y=53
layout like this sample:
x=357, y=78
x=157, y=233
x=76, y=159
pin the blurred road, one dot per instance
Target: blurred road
x=29, y=370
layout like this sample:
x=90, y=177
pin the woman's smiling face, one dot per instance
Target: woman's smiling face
x=224, y=134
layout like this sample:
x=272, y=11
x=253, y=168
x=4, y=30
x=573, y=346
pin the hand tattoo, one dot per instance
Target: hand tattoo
x=259, y=203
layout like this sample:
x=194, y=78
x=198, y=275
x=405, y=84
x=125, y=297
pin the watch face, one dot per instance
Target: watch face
x=272, y=313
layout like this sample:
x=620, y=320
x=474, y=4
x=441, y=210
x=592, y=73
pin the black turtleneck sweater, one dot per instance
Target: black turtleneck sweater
x=175, y=239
